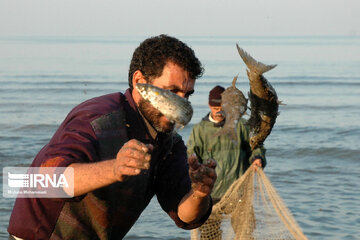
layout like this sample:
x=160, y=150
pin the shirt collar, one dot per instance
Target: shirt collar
x=211, y=119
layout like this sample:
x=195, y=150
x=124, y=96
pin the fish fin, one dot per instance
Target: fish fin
x=252, y=64
x=234, y=80
x=228, y=132
x=281, y=103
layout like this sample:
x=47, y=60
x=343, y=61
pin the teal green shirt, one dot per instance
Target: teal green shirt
x=233, y=159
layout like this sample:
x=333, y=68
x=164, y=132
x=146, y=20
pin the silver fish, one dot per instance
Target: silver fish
x=234, y=106
x=172, y=106
x=264, y=102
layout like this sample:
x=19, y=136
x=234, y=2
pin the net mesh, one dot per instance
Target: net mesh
x=250, y=209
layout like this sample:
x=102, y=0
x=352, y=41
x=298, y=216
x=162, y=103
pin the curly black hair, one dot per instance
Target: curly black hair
x=153, y=53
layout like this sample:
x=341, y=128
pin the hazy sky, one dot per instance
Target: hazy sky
x=180, y=17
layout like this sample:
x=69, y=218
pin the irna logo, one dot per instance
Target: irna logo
x=36, y=180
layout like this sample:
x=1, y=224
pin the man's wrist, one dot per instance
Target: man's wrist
x=196, y=196
x=257, y=158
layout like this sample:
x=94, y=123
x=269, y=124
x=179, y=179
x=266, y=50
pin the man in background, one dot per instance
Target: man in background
x=233, y=159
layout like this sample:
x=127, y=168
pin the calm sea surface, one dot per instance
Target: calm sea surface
x=313, y=151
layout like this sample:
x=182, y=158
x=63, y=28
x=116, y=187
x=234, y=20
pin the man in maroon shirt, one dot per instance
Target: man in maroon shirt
x=123, y=152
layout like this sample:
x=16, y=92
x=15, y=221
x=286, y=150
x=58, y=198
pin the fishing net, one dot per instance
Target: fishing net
x=250, y=209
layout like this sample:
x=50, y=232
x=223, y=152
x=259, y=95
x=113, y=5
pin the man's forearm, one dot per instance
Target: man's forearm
x=91, y=176
x=132, y=158
x=192, y=207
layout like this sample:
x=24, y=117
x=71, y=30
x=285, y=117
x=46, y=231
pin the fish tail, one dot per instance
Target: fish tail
x=252, y=64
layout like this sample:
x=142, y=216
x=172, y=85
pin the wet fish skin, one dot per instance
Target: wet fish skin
x=234, y=106
x=172, y=106
x=264, y=101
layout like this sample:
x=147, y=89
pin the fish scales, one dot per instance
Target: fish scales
x=234, y=106
x=264, y=102
x=172, y=106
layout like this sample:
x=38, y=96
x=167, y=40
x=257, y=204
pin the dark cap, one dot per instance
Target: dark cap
x=215, y=96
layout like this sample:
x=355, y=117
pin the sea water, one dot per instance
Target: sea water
x=313, y=151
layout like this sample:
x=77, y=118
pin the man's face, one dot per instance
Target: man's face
x=175, y=79
x=218, y=117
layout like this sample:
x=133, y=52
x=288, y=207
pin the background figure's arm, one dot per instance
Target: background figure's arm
x=257, y=153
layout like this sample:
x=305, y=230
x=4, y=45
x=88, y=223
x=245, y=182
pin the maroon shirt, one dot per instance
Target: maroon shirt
x=95, y=131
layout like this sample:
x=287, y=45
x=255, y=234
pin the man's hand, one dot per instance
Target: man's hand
x=203, y=176
x=257, y=163
x=133, y=157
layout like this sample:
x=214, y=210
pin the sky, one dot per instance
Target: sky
x=179, y=17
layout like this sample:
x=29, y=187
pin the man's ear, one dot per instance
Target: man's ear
x=138, y=77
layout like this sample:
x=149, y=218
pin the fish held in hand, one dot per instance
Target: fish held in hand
x=172, y=106
x=264, y=102
x=234, y=106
